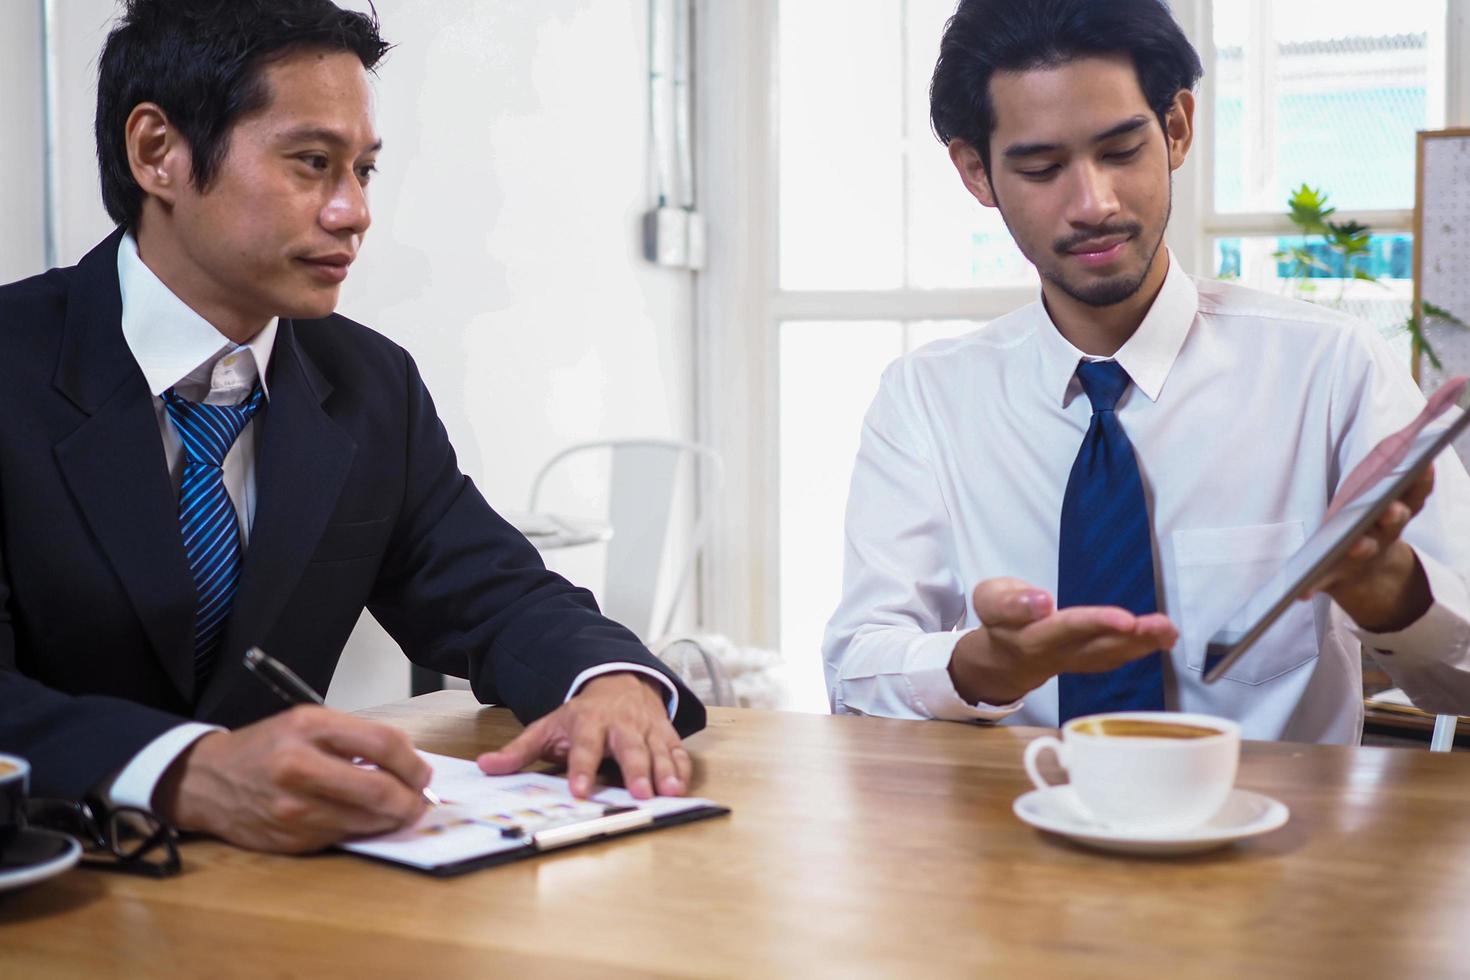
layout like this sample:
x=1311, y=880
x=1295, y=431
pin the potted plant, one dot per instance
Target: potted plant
x=1348, y=245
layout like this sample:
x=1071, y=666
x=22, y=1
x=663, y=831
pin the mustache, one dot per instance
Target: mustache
x=1086, y=235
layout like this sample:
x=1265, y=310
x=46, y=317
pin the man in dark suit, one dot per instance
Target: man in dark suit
x=197, y=456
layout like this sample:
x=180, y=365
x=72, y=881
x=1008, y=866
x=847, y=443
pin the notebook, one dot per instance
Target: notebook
x=490, y=820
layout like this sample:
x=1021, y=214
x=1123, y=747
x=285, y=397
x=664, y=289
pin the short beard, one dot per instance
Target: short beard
x=1108, y=292
x=1111, y=292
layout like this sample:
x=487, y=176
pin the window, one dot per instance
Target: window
x=868, y=197
x=1328, y=94
x=873, y=221
x=859, y=241
x=818, y=441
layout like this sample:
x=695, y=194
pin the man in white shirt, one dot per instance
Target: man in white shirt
x=986, y=545
x=198, y=456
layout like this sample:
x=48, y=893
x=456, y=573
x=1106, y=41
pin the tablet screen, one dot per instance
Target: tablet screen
x=1323, y=549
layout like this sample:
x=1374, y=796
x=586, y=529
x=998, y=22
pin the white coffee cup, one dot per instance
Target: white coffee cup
x=1146, y=780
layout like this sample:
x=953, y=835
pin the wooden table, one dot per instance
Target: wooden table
x=857, y=847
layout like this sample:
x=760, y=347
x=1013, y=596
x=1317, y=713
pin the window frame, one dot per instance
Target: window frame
x=740, y=304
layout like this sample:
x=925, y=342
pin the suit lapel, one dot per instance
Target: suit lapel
x=302, y=461
x=115, y=466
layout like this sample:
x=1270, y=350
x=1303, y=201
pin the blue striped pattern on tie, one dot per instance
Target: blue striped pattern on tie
x=1106, y=554
x=207, y=517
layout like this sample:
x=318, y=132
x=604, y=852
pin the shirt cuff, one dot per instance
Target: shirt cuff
x=1443, y=632
x=134, y=786
x=927, y=673
x=672, y=700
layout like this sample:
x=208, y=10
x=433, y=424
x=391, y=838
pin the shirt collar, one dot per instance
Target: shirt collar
x=1147, y=356
x=169, y=340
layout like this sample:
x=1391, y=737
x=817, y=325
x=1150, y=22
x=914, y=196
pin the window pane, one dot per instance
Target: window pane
x=1323, y=92
x=922, y=332
x=953, y=240
x=841, y=199
x=829, y=374
x=868, y=197
x=1256, y=262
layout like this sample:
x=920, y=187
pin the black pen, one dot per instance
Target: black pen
x=293, y=690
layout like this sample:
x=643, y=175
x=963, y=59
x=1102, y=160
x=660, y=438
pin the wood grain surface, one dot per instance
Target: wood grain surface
x=857, y=847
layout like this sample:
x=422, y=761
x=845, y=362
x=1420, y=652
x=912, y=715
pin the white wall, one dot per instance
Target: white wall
x=21, y=150
x=504, y=249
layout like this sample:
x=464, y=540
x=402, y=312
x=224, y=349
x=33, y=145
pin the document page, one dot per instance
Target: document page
x=478, y=809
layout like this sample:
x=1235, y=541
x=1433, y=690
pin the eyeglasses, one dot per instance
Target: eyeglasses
x=120, y=839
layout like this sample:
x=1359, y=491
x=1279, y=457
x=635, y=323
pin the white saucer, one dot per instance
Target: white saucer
x=58, y=851
x=1245, y=814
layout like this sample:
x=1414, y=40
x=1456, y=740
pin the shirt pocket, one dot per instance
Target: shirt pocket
x=1218, y=569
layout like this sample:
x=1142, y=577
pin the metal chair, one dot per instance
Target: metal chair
x=1443, y=739
x=642, y=477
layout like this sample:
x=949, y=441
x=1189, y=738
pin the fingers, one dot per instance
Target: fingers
x=672, y=766
x=356, y=738
x=618, y=715
x=1363, y=552
x=1079, y=624
x=334, y=820
x=374, y=799
x=1108, y=653
x=683, y=770
x=1101, y=638
x=1010, y=602
x=585, y=756
x=630, y=749
x=1419, y=491
x=529, y=746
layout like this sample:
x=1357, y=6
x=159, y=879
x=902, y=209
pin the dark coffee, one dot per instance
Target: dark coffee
x=12, y=806
x=1143, y=728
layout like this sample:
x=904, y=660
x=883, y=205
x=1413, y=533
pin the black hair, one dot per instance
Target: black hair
x=986, y=36
x=202, y=62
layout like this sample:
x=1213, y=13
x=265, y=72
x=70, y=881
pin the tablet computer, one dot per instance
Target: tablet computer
x=1381, y=481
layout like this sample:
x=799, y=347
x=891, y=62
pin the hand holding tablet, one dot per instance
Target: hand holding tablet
x=1384, y=476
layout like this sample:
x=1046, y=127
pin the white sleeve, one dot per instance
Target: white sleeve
x=134, y=786
x=1429, y=659
x=672, y=692
x=887, y=647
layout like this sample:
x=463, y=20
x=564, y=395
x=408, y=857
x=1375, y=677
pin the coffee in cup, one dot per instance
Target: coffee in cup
x=1144, y=771
x=15, y=778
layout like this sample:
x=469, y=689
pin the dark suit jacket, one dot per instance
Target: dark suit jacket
x=360, y=503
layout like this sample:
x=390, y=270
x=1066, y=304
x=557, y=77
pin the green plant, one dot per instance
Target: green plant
x=1309, y=211
x=1416, y=330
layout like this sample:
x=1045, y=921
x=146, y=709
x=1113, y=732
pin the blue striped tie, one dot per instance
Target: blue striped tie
x=1106, y=553
x=207, y=516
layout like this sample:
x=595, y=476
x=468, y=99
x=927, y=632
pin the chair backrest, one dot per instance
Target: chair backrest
x=1444, y=733
x=642, y=477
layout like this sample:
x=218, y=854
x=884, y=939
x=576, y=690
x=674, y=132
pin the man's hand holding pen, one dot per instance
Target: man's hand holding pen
x=289, y=783
x=296, y=782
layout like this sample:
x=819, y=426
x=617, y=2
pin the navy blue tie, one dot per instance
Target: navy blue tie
x=1106, y=553
x=207, y=516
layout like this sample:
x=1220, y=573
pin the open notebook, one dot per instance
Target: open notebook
x=489, y=820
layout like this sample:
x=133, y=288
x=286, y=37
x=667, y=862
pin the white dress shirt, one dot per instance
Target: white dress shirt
x=1245, y=412
x=177, y=348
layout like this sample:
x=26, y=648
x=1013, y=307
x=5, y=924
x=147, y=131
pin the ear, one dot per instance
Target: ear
x=157, y=155
x=1179, y=128
x=966, y=160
